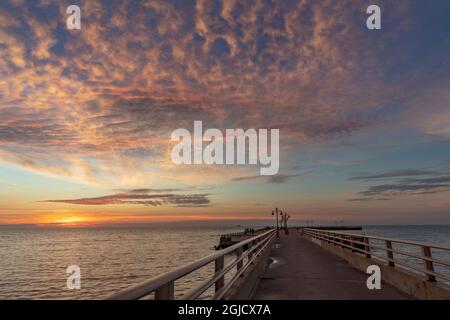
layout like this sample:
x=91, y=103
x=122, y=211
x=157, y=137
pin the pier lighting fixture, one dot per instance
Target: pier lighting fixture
x=275, y=213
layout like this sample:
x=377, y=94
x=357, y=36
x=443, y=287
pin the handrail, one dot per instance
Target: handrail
x=242, y=233
x=361, y=243
x=431, y=245
x=163, y=285
x=249, y=254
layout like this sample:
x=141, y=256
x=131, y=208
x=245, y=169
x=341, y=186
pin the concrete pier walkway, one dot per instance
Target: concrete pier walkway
x=301, y=270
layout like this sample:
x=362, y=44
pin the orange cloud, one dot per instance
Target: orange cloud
x=99, y=105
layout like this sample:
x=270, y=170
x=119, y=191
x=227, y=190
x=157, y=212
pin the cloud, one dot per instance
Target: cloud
x=146, y=190
x=279, y=178
x=409, y=186
x=395, y=174
x=142, y=197
x=99, y=105
x=411, y=189
x=368, y=199
x=434, y=180
x=333, y=162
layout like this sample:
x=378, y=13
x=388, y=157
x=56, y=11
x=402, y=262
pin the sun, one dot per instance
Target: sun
x=67, y=221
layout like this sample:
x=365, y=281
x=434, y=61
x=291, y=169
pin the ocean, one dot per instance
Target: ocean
x=33, y=261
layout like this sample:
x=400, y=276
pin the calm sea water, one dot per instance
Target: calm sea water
x=33, y=261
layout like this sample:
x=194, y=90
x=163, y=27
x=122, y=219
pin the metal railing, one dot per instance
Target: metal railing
x=242, y=233
x=163, y=286
x=364, y=244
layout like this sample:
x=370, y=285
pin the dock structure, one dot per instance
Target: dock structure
x=308, y=263
x=333, y=228
x=229, y=239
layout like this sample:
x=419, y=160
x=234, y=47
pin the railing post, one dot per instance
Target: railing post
x=389, y=253
x=367, y=247
x=351, y=243
x=238, y=255
x=219, y=264
x=165, y=292
x=428, y=264
x=250, y=254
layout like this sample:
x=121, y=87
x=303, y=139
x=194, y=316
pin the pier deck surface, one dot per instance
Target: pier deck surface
x=302, y=270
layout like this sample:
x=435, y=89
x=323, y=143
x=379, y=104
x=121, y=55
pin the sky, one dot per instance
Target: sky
x=86, y=115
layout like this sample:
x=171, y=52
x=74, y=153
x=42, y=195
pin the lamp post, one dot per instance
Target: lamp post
x=285, y=219
x=276, y=212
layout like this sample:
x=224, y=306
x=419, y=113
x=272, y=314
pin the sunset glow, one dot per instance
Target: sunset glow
x=87, y=115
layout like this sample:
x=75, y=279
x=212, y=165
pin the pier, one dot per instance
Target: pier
x=308, y=263
x=229, y=239
x=301, y=270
